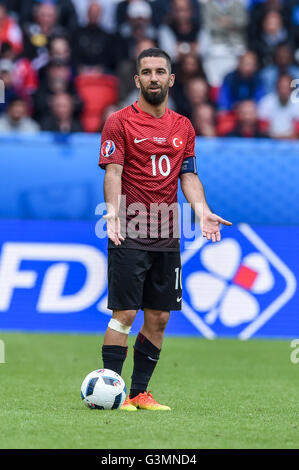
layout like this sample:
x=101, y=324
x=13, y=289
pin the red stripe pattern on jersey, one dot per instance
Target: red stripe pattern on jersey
x=151, y=151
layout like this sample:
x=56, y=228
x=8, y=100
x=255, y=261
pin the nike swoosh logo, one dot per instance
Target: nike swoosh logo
x=137, y=141
x=152, y=359
x=178, y=299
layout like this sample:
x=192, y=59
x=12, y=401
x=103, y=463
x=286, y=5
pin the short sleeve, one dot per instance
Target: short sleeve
x=190, y=145
x=112, y=142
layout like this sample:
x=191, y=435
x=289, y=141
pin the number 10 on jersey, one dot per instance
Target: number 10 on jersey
x=160, y=163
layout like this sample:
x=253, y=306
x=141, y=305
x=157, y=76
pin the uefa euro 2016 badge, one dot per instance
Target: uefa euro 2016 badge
x=235, y=287
x=108, y=148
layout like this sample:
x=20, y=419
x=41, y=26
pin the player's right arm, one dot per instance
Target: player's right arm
x=112, y=194
x=112, y=157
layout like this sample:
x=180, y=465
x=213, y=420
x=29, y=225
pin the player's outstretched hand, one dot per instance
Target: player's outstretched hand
x=113, y=229
x=210, y=226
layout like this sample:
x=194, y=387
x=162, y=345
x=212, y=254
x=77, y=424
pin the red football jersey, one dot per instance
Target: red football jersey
x=151, y=151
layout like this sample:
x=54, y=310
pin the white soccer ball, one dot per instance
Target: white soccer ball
x=103, y=389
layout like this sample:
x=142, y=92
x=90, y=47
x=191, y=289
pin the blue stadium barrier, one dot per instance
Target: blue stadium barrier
x=53, y=279
x=56, y=177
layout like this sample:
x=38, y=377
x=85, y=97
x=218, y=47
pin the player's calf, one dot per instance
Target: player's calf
x=155, y=322
x=115, y=349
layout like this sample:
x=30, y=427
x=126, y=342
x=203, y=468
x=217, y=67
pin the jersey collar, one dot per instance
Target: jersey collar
x=135, y=105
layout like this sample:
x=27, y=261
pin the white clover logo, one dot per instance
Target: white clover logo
x=227, y=290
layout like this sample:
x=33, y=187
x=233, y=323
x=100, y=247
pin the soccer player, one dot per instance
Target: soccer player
x=145, y=149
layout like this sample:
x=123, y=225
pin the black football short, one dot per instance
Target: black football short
x=139, y=279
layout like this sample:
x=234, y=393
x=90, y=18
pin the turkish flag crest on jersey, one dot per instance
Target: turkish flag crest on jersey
x=177, y=142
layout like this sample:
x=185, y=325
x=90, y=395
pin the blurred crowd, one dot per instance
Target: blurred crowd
x=67, y=65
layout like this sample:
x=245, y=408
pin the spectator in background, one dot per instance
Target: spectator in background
x=283, y=64
x=57, y=79
x=60, y=49
x=66, y=13
x=182, y=33
x=121, y=13
x=16, y=118
x=13, y=6
x=197, y=92
x=24, y=77
x=247, y=124
x=242, y=84
x=127, y=69
x=224, y=23
x=293, y=25
x=203, y=120
x=107, y=20
x=273, y=34
x=137, y=27
x=9, y=30
x=257, y=15
x=280, y=111
x=160, y=10
x=189, y=66
x=37, y=35
x=62, y=117
x=93, y=46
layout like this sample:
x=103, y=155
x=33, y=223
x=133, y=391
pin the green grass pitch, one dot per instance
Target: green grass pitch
x=223, y=394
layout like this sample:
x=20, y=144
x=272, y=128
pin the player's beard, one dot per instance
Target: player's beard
x=155, y=98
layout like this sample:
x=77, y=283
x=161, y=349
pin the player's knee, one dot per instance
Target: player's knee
x=126, y=317
x=161, y=321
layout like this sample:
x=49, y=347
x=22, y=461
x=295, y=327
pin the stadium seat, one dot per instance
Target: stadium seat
x=97, y=91
x=226, y=121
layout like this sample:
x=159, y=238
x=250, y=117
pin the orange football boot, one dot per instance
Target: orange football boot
x=128, y=406
x=145, y=401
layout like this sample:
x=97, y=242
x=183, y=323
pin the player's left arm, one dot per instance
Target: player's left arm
x=194, y=193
